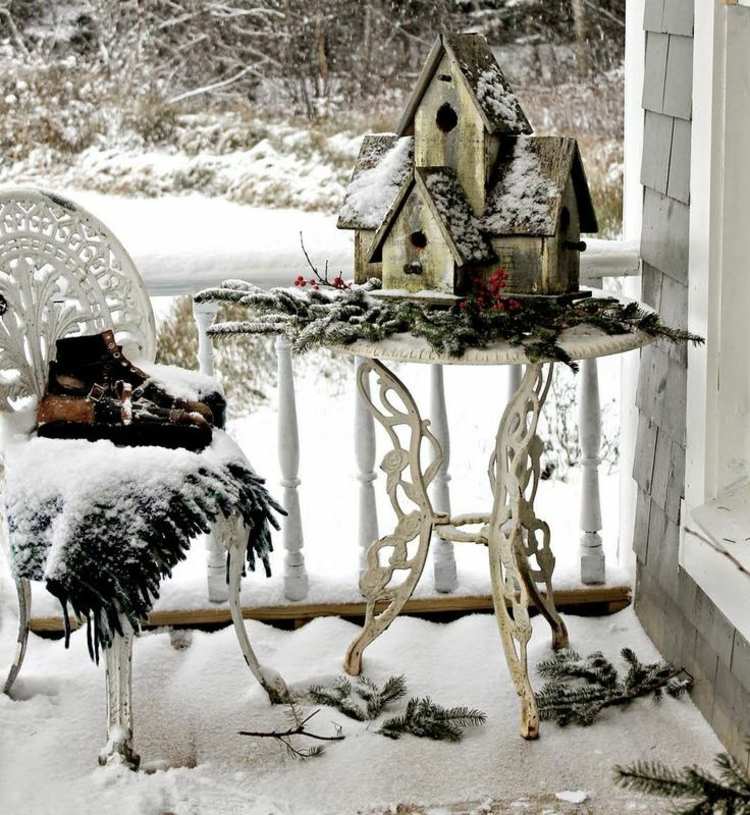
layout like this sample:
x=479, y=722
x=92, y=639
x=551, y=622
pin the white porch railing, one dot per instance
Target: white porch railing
x=604, y=259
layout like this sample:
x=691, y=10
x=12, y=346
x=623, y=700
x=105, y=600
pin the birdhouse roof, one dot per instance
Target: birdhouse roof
x=498, y=106
x=443, y=195
x=384, y=161
x=528, y=184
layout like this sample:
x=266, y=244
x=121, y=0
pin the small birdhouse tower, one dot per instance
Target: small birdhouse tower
x=463, y=188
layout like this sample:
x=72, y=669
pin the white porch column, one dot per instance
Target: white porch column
x=590, y=431
x=443, y=556
x=204, y=314
x=295, y=575
x=364, y=453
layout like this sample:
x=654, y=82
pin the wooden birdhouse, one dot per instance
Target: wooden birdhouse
x=463, y=188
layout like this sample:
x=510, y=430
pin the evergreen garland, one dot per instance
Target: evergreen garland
x=728, y=794
x=313, y=317
x=578, y=689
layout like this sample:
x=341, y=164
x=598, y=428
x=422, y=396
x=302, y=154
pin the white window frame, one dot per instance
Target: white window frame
x=717, y=480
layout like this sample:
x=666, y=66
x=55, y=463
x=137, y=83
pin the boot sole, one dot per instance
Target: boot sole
x=173, y=437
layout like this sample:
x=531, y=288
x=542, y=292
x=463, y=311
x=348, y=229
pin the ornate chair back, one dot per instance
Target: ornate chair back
x=62, y=272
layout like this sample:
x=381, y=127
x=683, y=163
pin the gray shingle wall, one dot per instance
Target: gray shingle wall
x=685, y=625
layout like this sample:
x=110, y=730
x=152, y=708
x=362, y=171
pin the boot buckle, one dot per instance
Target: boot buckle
x=96, y=393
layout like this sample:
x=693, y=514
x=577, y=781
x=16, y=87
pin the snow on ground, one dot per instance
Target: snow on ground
x=328, y=493
x=182, y=244
x=191, y=701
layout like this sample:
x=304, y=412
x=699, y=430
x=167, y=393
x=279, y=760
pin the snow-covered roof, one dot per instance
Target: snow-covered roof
x=442, y=193
x=491, y=92
x=449, y=204
x=528, y=184
x=384, y=161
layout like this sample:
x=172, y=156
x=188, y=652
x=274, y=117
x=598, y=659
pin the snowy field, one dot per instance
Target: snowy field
x=193, y=693
x=181, y=244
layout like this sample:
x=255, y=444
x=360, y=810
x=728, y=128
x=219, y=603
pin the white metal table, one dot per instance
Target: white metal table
x=520, y=556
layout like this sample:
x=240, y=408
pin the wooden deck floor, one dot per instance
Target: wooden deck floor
x=584, y=600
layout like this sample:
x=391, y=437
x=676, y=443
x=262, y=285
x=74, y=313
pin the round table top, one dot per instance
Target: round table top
x=580, y=342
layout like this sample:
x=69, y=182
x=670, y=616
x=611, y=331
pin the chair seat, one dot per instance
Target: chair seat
x=101, y=524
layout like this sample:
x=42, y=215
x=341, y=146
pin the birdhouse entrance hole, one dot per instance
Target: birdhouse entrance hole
x=446, y=118
x=418, y=239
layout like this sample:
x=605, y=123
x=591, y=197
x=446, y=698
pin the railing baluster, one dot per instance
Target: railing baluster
x=204, y=314
x=296, y=582
x=443, y=556
x=364, y=452
x=216, y=569
x=590, y=430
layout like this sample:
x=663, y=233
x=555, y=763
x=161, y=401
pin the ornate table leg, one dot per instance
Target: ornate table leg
x=23, y=590
x=234, y=536
x=516, y=535
x=405, y=478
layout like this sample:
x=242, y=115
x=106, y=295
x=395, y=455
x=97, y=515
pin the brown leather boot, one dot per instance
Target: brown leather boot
x=91, y=396
x=113, y=415
x=97, y=359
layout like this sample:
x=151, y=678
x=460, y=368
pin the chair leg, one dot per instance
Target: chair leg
x=23, y=590
x=119, y=669
x=216, y=568
x=273, y=684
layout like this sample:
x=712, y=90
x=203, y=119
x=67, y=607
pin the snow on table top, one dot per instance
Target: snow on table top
x=182, y=244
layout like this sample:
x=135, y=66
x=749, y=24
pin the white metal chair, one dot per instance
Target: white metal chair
x=62, y=272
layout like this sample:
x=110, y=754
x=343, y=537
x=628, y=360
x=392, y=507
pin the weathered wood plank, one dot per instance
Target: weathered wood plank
x=653, y=15
x=572, y=598
x=655, y=71
x=678, y=83
x=679, y=162
x=651, y=286
x=678, y=17
x=665, y=234
x=657, y=149
x=668, y=481
x=640, y=533
x=646, y=444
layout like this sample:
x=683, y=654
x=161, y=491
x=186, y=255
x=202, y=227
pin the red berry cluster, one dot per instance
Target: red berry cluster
x=487, y=295
x=338, y=282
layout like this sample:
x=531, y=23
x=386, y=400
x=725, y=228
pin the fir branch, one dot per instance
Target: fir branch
x=578, y=689
x=297, y=729
x=426, y=719
x=729, y=793
x=364, y=701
